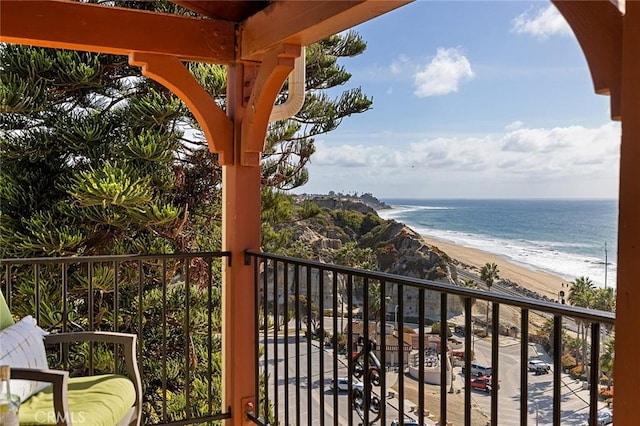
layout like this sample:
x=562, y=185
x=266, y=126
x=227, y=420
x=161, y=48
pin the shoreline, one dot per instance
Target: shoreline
x=564, y=238
x=541, y=282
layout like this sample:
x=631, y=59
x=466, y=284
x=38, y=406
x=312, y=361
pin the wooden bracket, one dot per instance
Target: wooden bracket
x=265, y=86
x=171, y=73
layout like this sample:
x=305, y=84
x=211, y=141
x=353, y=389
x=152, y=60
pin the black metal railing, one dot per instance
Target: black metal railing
x=172, y=303
x=338, y=345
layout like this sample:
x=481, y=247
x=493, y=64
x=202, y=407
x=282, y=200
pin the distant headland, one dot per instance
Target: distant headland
x=366, y=198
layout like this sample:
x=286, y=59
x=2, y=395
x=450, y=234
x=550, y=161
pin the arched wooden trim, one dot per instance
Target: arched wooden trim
x=597, y=25
x=118, y=31
x=273, y=71
x=171, y=73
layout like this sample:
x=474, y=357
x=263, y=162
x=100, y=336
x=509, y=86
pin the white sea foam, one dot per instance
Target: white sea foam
x=557, y=257
x=399, y=210
x=536, y=255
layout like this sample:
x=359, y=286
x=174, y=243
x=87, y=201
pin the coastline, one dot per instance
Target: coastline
x=541, y=282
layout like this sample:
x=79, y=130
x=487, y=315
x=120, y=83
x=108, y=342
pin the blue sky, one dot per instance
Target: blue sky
x=472, y=100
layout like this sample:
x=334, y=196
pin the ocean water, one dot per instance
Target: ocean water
x=564, y=237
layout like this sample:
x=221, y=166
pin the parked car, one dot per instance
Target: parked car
x=535, y=364
x=479, y=370
x=540, y=369
x=605, y=417
x=483, y=383
x=343, y=384
x=407, y=422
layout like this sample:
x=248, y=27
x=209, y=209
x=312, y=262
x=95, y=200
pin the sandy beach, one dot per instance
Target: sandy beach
x=541, y=282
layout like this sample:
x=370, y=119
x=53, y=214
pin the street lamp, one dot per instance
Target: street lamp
x=451, y=366
x=473, y=340
x=341, y=316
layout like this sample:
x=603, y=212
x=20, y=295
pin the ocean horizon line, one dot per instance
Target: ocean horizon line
x=384, y=198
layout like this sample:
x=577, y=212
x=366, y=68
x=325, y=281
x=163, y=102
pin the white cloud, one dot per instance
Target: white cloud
x=400, y=64
x=514, y=126
x=542, y=23
x=353, y=156
x=571, y=159
x=443, y=74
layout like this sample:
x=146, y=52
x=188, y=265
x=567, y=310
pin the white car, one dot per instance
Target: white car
x=410, y=422
x=536, y=364
x=605, y=417
x=343, y=384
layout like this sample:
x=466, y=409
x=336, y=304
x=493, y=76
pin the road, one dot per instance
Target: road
x=574, y=400
x=315, y=390
x=313, y=368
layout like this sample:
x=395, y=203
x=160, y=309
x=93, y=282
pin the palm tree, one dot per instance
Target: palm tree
x=547, y=332
x=581, y=293
x=574, y=346
x=606, y=360
x=489, y=274
x=469, y=283
x=604, y=299
x=375, y=301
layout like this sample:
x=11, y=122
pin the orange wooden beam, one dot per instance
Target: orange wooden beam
x=305, y=22
x=597, y=25
x=171, y=73
x=626, y=372
x=90, y=27
x=273, y=71
x=241, y=206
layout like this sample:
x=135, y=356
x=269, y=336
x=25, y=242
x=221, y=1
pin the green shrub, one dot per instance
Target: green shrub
x=435, y=329
x=370, y=221
x=348, y=219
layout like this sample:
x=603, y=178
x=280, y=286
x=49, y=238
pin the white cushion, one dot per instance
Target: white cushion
x=22, y=345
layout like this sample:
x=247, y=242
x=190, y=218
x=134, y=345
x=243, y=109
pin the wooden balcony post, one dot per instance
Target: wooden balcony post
x=241, y=231
x=626, y=371
x=251, y=94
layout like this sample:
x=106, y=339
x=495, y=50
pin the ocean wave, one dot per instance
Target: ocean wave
x=399, y=210
x=433, y=208
x=559, y=244
x=533, y=255
x=395, y=211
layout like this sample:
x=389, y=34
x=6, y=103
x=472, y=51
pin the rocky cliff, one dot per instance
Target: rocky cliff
x=400, y=250
x=397, y=249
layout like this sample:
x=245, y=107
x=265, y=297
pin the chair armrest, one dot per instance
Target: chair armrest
x=58, y=379
x=128, y=341
x=92, y=336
